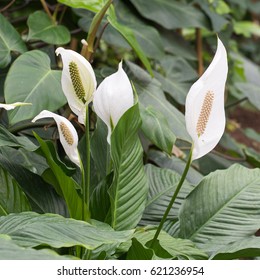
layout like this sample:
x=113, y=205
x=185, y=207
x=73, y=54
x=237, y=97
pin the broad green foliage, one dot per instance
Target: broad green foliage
x=42, y=28
x=30, y=229
x=110, y=205
x=129, y=188
x=35, y=83
x=223, y=208
x=9, y=41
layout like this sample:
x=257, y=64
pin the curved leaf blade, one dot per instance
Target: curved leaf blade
x=42, y=28
x=223, y=208
x=10, y=40
x=129, y=188
x=35, y=83
x=30, y=229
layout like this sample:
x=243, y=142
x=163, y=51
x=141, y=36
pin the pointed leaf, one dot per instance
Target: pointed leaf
x=129, y=188
x=223, y=208
x=12, y=198
x=10, y=40
x=42, y=28
x=10, y=251
x=35, y=83
x=30, y=229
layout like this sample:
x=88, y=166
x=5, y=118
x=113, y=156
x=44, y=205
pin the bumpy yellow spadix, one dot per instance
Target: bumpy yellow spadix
x=204, y=112
x=67, y=132
x=78, y=81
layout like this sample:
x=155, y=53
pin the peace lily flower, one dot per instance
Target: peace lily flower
x=67, y=132
x=78, y=81
x=113, y=98
x=205, y=115
x=12, y=106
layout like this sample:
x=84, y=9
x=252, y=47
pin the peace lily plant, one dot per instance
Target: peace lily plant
x=204, y=116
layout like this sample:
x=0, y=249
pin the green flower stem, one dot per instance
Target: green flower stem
x=87, y=173
x=184, y=174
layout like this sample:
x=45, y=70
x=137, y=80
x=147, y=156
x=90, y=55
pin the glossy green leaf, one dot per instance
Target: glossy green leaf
x=41, y=27
x=129, y=35
x=92, y=5
x=248, y=247
x=156, y=129
x=10, y=40
x=162, y=184
x=12, y=198
x=129, y=188
x=42, y=197
x=138, y=251
x=67, y=186
x=223, y=208
x=171, y=14
x=30, y=229
x=175, y=164
x=150, y=94
x=35, y=83
x=11, y=251
x=8, y=139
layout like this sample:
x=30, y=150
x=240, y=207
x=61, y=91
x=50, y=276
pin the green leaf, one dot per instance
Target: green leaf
x=156, y=129
x=129, y=35
x=246, y=28
x=41, y=27
x=8, y=139
x=30, y=229
x=175, y=248
x=10, y=40
x=129, y=189
x=12, y=198
x=99, y=147
x=171, y=14
x=223, y=208
x=67, y=186
x=92, y=5
x=138, y=251
x=244, y=248
x=175, y=164
x=162, y=184
x=42, y=197
x=11, y=251
x=30, y=79
x=150, y=94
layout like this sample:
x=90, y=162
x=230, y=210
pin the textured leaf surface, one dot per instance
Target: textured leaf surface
x=156, y=129
x=30, y=229
x=9, y=250
x=162, y=184
x=10, y=40
x=35, y=83
x=171, y=14
x=42, y=28
x=223, y=208
x=129, y=187
x=12, y=198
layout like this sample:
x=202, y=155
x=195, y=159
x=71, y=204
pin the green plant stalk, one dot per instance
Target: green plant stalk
x=94, y=28
x=184, y=174
x=86, y=187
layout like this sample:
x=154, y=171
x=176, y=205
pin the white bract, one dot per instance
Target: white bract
x=205, y=114
x=13, y=105
x=67, y=133
x=113, y=98
x=78, y=81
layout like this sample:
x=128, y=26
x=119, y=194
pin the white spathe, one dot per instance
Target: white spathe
x=113, y=98
x=87, y=77
x=212, y=81
x=12, y=106
x=67, y=132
